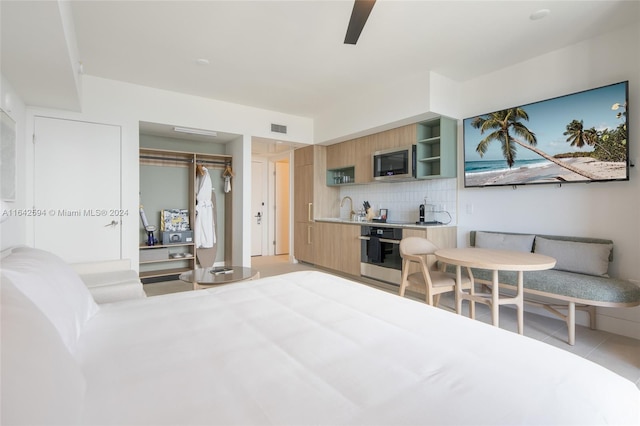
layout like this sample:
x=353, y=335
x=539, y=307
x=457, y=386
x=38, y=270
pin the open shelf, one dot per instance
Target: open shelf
x=341, y=176
x=436, y=148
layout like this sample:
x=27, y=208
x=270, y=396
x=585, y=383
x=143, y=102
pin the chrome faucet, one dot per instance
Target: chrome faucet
x=351, y=212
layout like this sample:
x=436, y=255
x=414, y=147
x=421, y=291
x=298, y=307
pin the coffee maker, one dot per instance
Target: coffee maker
x=421, y=214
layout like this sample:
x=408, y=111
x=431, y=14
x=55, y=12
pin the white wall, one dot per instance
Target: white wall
x=123, y=104
x=605, y=210
x=391, y=104
x=13, y=229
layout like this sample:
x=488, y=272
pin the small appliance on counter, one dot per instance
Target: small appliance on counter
x=426, y=215
x=382, y=216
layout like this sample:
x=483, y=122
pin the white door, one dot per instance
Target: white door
x=282, y=207
x=258, y=200
x=77, y=175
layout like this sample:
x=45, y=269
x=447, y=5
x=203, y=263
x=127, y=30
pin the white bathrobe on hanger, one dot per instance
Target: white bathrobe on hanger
x=205, y=235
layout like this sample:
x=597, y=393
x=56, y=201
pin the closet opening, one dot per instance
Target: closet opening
x=186, y=193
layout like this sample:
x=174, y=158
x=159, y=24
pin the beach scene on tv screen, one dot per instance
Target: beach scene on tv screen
x=580, y=137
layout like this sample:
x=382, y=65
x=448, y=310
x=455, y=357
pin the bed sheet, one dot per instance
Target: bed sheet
x=313, y=348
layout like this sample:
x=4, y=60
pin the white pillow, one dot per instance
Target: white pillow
x=573, y=256
x=494, y=240
x=41, y=381
x=53, y=286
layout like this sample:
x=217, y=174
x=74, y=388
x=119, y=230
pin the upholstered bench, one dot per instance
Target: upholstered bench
x=110, y=281
x=579, y=280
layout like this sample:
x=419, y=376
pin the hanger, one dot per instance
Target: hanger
x=227, y=171
x=199, y=170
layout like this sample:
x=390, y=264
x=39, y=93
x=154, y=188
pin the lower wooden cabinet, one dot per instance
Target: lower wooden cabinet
x=304, y=241
x=338, y=247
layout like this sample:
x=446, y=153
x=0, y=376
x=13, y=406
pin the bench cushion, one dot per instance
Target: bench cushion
x=500, y=241
x=573, y=256
x=592, y=289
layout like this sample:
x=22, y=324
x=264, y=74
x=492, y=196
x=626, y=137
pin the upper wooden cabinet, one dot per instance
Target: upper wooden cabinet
x=435, y=140
x=358, y=152
x=304, y=156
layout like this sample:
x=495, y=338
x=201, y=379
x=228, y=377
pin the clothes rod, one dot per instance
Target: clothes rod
x=184, y=160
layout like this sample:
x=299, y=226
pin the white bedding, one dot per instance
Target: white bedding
x=311, y=348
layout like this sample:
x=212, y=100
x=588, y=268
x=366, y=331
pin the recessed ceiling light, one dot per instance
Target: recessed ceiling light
x=202, y=61
x=542, y=13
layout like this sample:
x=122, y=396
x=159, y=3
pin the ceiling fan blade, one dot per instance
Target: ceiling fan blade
x=359, y=16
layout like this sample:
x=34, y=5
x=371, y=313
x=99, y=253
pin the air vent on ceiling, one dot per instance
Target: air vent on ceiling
x=278, y=128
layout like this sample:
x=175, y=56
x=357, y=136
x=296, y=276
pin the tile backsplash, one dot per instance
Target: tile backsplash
x=402, y=199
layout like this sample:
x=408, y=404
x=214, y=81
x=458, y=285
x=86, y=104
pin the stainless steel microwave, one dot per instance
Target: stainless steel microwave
x=395, y=163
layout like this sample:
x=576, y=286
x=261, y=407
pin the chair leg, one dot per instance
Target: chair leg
x=436, y=300
x=428, y=297
x=405, y=274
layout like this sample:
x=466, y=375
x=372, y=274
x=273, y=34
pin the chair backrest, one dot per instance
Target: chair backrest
x=416, y=246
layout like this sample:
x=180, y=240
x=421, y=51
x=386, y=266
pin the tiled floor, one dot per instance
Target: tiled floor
x=617, y=353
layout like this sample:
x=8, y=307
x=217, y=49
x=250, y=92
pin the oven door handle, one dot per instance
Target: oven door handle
x=382, y=240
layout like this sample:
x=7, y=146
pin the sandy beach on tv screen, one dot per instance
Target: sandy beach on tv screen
x=549, y=173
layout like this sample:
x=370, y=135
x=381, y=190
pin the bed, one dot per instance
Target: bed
x=300, y=348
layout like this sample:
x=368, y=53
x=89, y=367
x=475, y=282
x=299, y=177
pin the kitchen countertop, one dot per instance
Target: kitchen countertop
x=385, y=224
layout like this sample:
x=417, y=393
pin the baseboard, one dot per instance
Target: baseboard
x=619, y=326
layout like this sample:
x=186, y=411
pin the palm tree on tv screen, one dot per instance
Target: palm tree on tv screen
x=505, y=125
x=578, y=136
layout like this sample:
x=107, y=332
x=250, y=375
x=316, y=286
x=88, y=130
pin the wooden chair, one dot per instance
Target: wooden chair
x=434, y=282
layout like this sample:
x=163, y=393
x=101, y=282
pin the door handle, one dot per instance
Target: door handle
x=258, y=218
x=113, y=223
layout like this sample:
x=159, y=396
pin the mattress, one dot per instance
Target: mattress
x=312, y=348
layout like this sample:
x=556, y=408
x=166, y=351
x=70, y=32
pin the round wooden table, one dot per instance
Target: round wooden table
x=205, y=278
x=494, y=260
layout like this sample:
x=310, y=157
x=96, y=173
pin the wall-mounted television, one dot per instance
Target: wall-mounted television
x=581, y=137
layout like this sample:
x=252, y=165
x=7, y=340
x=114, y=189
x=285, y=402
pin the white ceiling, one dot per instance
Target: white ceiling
x=286, y=56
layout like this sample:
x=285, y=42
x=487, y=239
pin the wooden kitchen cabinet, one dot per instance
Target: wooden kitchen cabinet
x=341, y=155
x=358, y=152
x=303, y=204
x=436, y=150
x=441, y=236
x=303, y=241
x=338, y=247
x=312, y=198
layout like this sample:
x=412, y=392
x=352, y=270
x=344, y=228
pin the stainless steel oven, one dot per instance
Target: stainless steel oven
x=380, y=253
